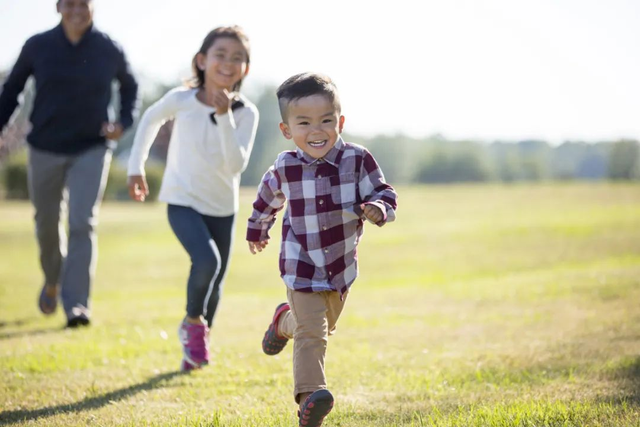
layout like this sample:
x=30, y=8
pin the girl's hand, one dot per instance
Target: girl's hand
x=138, y=189
x=258, y=246
x=221, y=99
x=372, y=213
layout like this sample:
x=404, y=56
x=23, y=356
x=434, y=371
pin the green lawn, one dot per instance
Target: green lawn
x=481, y=306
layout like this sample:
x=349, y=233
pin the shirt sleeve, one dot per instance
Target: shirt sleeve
x=128, y=91
x=375, y=190
x=14, y=84
x=237, y=137
x=270, y=200
x=147, y=130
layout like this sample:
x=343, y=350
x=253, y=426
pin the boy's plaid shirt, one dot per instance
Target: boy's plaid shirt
x=323, y=221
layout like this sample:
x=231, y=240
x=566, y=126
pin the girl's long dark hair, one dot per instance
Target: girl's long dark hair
x=233, y=32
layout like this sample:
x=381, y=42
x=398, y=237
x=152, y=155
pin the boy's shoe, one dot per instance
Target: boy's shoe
x=46, y=303
x=315, y=408
x=273, y=343
x=195, y=345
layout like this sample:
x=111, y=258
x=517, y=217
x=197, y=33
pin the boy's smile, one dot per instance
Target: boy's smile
x=314, y=124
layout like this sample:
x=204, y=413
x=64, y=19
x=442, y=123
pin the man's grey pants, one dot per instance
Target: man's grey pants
x=75, y=184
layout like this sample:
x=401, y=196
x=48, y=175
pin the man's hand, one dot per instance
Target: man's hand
x=372, y=213
x=138, y=189
x=112, y=131
x=255, y=247
x=221, y=99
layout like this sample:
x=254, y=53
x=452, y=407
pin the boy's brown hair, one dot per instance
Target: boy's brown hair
x=303, y=85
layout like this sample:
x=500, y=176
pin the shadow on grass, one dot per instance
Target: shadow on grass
x=22, y=322
x=90, y=403
x=14, y=323
x=16, y=334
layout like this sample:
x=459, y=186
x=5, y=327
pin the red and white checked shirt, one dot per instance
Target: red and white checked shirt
x=323, y=222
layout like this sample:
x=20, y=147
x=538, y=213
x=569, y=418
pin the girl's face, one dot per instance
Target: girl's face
x=224, y=64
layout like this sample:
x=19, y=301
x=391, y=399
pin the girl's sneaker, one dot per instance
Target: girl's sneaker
x=315, y=408
x=195, y=345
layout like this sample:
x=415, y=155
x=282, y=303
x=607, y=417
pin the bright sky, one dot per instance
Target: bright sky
x=487, y=69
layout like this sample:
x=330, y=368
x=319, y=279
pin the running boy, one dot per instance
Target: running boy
x=331, y=186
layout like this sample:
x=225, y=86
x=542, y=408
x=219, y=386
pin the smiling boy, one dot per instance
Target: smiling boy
x=331, y=187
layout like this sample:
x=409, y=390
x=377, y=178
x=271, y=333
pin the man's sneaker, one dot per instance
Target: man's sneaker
x=79, y=316
x=315, y=408
x=195, y=345
x=46, y=303
x=273, y=343
x=76, y=322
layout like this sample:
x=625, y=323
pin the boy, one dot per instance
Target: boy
x=331, y=186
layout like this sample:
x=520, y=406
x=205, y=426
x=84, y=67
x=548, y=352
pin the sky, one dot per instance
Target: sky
x=479, y=69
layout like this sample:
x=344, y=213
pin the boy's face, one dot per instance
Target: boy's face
x=314, y=124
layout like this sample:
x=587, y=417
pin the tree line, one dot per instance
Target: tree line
x=405, y=160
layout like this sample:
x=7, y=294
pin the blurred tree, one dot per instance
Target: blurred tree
x=623, y=160
x=464, y=165
x=535, y=159
x=504, y=160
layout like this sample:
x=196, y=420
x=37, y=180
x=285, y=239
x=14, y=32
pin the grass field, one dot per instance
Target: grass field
x=481, y=306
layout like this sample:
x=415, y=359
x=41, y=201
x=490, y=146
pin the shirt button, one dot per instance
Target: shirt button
x=326, y=250
x=324, y=227
x=319, y=176
x=329, y=273
x=321, y=202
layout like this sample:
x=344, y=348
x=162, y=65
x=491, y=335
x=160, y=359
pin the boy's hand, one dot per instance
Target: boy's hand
x=222, y=101
x=138, y=189
x=258, y=246
x=372, y=213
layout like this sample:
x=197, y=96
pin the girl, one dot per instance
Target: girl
x=213, y=133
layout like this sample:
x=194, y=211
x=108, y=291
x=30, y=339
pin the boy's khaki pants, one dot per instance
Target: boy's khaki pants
x=312, y=319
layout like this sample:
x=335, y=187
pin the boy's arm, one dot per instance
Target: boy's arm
x=269, y=201
x=375, y=191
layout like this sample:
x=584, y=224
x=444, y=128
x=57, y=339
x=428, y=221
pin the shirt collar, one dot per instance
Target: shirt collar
x=87, y=34
x=332, y=157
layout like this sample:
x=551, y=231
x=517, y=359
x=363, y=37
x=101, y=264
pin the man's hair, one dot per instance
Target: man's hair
x=303, y=85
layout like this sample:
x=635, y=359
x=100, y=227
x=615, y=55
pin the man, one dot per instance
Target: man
x=70, y=145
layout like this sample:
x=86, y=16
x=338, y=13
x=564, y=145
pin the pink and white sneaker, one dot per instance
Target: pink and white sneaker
x=195, y=345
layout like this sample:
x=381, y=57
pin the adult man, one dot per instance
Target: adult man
x=70, y=145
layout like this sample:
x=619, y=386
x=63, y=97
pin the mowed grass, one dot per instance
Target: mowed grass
x=481, y=306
